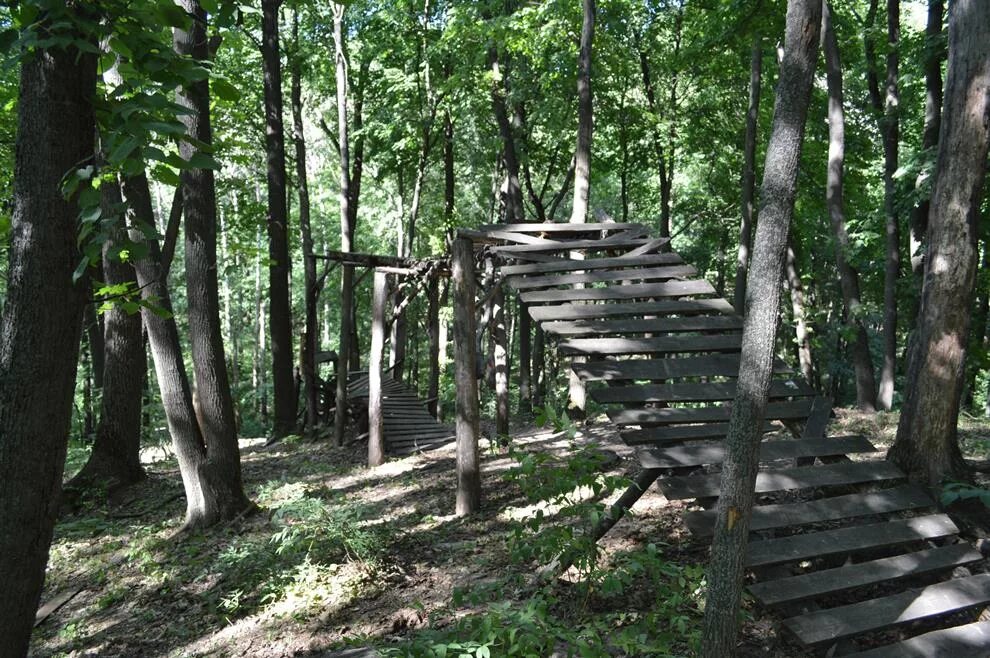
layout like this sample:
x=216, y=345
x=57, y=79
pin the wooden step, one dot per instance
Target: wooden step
x=715, y=365
x=966, y=641
x=795, y=410
x=699, y=454
x=848, y=540
x=677, y=433
x=618, y=292
x=643, y=325
x=573, y=245
x=831, y=625
x=829, y=581
x=655, y=345
x=560, y=227
x=601, y=276
x=783, y=479
x=693, y=392
x=767, y=517
x=584, y=265
x=598, y=311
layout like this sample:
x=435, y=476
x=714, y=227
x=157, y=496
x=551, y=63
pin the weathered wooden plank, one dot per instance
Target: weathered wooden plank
x=767, y=517
x=571, y=245
x=848, y=540
x=654, y=345
x=597, y=311
x=677, y=433
x=699, y=454
x=721, y=365
x=652, y=245
x=602, y=276
x=877, y=614
x=966, y=641
x=792, y=410
x=693, y=392
x=809, y=585
x=507, y=236
x=634, y=291
x=561, y=227
x=578, y=265
x=643, y=325
x=783, y=479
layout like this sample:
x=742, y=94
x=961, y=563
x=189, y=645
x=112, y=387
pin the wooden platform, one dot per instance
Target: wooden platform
x=856, y=553
x=409, y=427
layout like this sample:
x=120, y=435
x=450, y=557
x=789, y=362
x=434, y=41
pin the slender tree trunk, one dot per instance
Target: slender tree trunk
x=376, y=428
x=433, y=328
x=466, y=380
x=39, y=342
x=978, y=335
x=725, y=573
x=501, y=363
x=525, y=358
x=934, y=53
x=801, y=333
x=582, y=153
x=449, y=190
x=927, y=444
x=749, y=174
x=94, y=334
x=859, y=347
x=280, y=309
x=512, y=201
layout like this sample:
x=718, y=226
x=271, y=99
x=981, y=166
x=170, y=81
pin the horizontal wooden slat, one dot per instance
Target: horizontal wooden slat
x=966, y=641
x=794, y=410
x=767, y=517
x=560, y=227
x=603, y=276
x=848, y=540
x=782, y=479
x=693, y=392
x=810, y=585
x=634, y=291
x=722, y=365
x=654, y=345
x=643, y=325
x=589, y=264
x=699, y=454
x=671, y=433
x=571, y=245
x=663, y=307
x=503, y=235
x=877, y=614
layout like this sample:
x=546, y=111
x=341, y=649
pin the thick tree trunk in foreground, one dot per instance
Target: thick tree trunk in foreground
x=346, y=229
x=465, y=378
x=749, y=175
x=582, y=153
x=859, y=349
x=280, y=309
x=215, y=405
x=39, y=342
x=725, y=573
x=927, y=445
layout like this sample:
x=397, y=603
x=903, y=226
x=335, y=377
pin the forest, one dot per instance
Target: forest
x=365, y=328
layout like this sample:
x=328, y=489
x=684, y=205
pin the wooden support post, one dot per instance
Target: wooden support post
x=433, y=327
x=376, y=428
x=468, y=427
x=501, y=362
x=525, y=355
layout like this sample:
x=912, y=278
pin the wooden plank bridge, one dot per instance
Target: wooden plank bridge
x=408, y=426
x=851, y=556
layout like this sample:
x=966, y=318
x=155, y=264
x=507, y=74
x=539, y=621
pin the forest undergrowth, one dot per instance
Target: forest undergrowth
x=340, y=556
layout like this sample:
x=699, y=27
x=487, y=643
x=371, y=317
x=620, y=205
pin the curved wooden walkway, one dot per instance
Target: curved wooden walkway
x=408, y=425
x=846, y=552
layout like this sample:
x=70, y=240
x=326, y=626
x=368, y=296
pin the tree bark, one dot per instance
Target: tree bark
x=280, y=309
x=376, y=427
x=927, y=445
x=39, y=342
x=465, y=378
x=501, y=362
x=525, y=358
x=848, y=276
x=725, y=572
x=582, y=152
x=512, y=201
x=801, y=334
x=449, y=191
x=433, y=328
x=749, y=174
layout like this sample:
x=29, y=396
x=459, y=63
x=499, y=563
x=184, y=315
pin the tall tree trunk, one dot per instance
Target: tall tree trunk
x=512, y=202
x=525, y=358
x=449, y=191
x=934, y=53
x=859, y=348
x=309, y=262
x=801, y=334
x=280, y=309
x=886, y=110
x=582, y=152
x=725, y=573
x=346, y=228
x=979, y=336
x=927, y=444
x=39, y=342
x=215, y=405
x=94, y=334
x=749, y=174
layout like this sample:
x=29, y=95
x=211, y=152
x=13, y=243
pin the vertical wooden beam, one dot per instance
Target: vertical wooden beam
x=465, y=360
x=501, y=360
x=376, y=428
x=433, y=327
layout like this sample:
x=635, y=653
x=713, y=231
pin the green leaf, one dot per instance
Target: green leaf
x=123, y=150
x=202, y=161
x=224, y=90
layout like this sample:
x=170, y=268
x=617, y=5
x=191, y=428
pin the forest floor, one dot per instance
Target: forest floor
x=342, y=555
